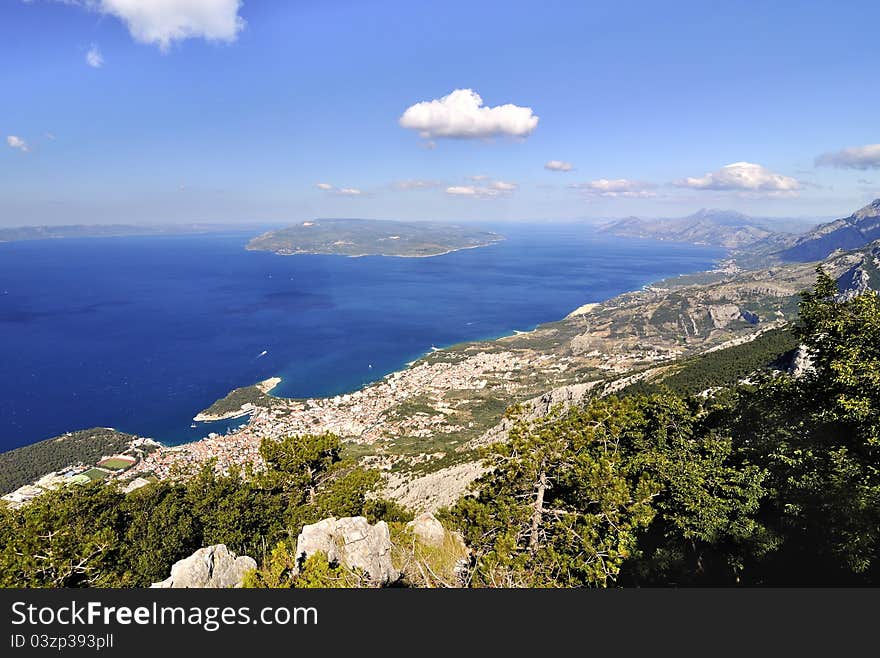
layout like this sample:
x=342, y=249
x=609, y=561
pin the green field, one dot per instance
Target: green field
x=95, y=474
x=115, y=464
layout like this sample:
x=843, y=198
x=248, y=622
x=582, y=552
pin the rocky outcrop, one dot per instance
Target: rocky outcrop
x=852, y=283
x=446, y=562
x=351, y=542
x=213, y=567
x=428, y=529
x=434, y=490
x=801, y=363
x=562, y=398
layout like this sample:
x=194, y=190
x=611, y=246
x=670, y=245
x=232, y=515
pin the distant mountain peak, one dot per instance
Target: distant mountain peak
x=871, y=210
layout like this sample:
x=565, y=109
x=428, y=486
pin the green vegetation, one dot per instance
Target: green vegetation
x=96, y=474
x=721, y=367
x=232, y=403
x=23, y=465
x=771, y=483
x=94, y=535
x=363, y=237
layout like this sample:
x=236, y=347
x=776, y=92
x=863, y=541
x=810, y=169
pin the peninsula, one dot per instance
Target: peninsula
x=369, y=237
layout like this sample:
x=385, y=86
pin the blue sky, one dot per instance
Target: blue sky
x=262, y=110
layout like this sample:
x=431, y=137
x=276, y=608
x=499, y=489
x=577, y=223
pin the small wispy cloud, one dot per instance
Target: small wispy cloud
x=855, y=157
x=558, y=165
x=490, y=190
x=94, y=58
x=17, y=143
x=343, y=191
x=616, y=187
x=502, y=186
x=407, y=185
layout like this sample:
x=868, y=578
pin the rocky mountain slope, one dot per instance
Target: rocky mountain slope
x=859, y=229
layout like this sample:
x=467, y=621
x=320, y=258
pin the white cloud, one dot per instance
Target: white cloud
x=558, y=165
x=492, y=190
x=416, y=184
x=94, y=58
x=502, y=186
x=17, y=143
x=465, y=190
x=461, y=114
x=617, y=187
x=744, y=176
x=855, y=157
x=162, y=22
x=344, y=191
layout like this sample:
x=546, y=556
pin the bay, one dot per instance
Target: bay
x=142, y=333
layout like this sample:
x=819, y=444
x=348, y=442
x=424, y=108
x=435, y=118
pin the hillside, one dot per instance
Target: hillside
x=23, y=465
x=368, y=237
x=860, y=228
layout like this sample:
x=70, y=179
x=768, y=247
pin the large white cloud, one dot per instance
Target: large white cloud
x=162, y=22
x=462, y=115
x=617, y=187
x=744, y=176
x=558, y=165
x=17, y=143
x=94, y=58
x=855, y=157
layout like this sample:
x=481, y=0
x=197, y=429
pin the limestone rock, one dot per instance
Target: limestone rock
x=801, y=362
x=210, y=567
x=352, y=542
x=428, y=529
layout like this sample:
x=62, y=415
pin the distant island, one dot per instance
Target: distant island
x=369, y=237
x=20, y=233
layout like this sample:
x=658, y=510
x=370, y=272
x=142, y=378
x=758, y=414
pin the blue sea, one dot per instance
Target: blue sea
x=142, y=333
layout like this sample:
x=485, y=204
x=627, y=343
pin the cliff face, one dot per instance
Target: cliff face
x=857, y=230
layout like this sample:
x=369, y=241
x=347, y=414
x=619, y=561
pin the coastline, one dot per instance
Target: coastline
x=245, y=409
x=252, y=410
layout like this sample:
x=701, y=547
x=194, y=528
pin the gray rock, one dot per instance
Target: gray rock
x=428, y=529
x=353, y=543
x=852, y=283
x=211, y=567
x=801, y=362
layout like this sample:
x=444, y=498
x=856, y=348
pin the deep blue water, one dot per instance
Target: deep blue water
x=142, y=333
